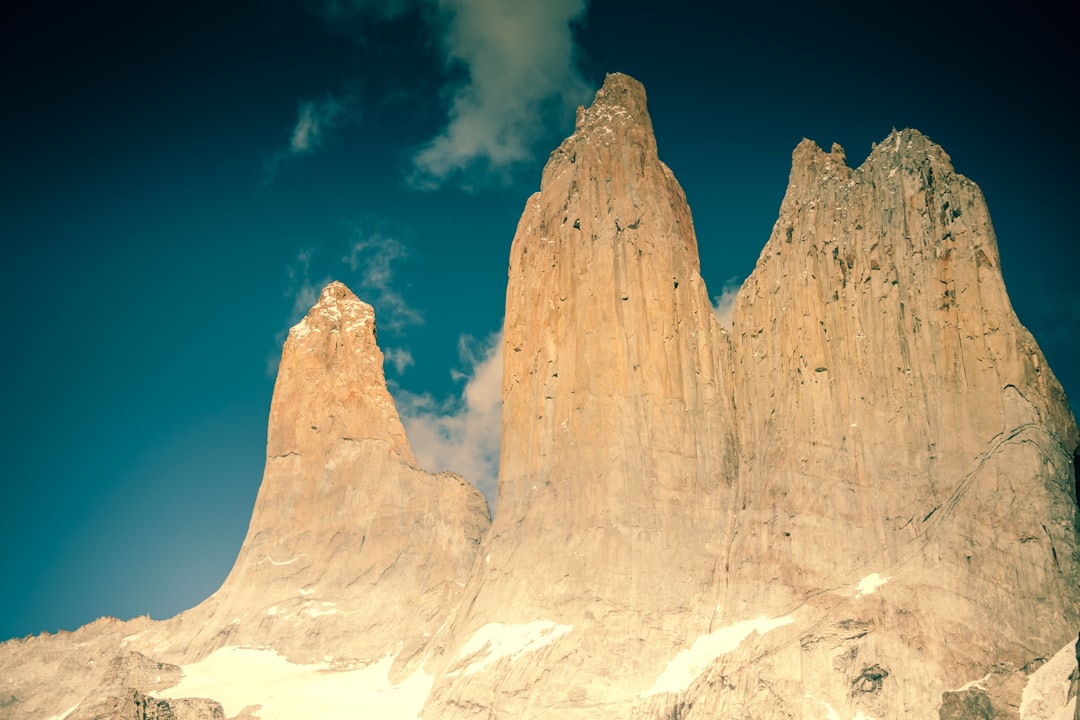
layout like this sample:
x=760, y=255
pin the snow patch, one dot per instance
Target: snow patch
x=690, y=663
x=310, y=609
x=1046, y=695
x=495, y=641
x=831, y=713
x=353, y=326
x=870, y=583
x=300, y=330
x=64, y=714
x=974, y=684
x=283, y=562
x=237, y=677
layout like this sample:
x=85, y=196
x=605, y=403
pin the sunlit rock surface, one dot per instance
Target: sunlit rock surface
x=618, y=447
x=896, y=421
x=859, y=503
x=353, y=550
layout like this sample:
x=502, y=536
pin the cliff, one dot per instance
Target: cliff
x=858, y=503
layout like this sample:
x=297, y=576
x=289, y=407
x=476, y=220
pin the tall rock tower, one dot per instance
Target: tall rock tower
x=906, y=489
x=353, y=550
x=618, y=451
x=860, y=504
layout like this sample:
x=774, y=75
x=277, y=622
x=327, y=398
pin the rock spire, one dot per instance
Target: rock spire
x=345, y=523
x=618, y=446
x=905, y=452
x=860, y=503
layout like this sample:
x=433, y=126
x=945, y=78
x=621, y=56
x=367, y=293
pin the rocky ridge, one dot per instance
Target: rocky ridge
x=618, y=437
x=858, y=503
x=346, y=523
x=912, y=433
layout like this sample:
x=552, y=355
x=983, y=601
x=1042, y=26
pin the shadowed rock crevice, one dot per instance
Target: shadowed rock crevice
x=1076, y=474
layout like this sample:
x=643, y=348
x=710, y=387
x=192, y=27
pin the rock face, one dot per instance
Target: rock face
x=53, y=675
x=898, y=428
x=354, y=554
x=346, y=524
x=133, y=705
x=871, y=482
x=618, y=446
x=860, y=503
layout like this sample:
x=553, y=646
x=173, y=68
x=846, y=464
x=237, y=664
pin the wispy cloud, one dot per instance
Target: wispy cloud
x=373, y=257
x=399, y=358
x=316, y=120
x=511, y=69
x=304, y=292
x=519, y=67
x=462, y=434
x=724, y=303
x=301, y=289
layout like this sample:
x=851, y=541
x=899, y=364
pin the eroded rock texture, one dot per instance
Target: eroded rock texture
x=352, y=548
x=860, y=503
x=618, y=441
x=353, y=553
x=897, y=427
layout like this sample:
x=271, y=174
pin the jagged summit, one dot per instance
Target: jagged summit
x=617, y=443
x=337, y=309
x=860, y=503
x=907, y=148
x=911, y=143
x=345, y=521
x=333, y=353
x=621, y=99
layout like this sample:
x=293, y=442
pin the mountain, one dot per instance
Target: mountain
x=860, y=501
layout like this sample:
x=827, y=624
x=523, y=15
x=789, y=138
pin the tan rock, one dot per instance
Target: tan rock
x=353, y=551
x=861, y=504
x=354, y=554
x=52, y=674
x=130, y=704
x=906, y=482
x=618, y=438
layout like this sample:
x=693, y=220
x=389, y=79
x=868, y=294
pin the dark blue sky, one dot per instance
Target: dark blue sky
x=178, y=180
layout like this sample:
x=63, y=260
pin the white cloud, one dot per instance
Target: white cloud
x=724, y=303
x=315, y=122
x=462, y=434
x=373, y=257
x=519, y=65
x=512, y=68
x=315, y=119
x=304, y=293
x=400, y=358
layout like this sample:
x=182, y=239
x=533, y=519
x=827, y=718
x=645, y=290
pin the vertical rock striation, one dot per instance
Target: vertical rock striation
x=883, y=518
x=352, y=550
x=618, y=446
x=860, y=504
x=906, y=481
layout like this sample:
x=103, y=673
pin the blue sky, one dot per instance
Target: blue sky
x=179, y=180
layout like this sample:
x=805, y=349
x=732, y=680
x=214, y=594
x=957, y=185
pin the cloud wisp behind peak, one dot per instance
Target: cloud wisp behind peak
x=518, y=64
x=316, y=122
x=462, y=434
x=724, y=303
x=373, y=257
x=511, y=72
